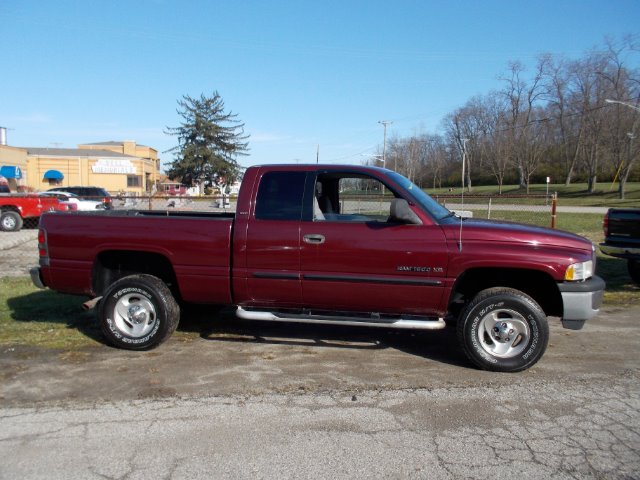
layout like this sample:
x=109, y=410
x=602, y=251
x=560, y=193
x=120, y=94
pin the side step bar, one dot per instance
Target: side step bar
x=373, y=321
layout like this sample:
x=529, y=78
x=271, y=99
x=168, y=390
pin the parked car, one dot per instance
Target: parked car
x=81, y=204
x=302, y=248
x=87, y=193
x=622, y=238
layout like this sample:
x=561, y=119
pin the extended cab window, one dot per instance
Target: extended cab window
x=280, y=196
x=346, y=197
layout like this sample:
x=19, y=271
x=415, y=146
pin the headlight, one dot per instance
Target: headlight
x=579, y=271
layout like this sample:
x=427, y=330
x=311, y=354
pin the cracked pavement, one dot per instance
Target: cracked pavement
x=584, y=429
x=230, y=399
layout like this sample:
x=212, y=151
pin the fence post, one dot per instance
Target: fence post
x=489, y=210
x=554, y=206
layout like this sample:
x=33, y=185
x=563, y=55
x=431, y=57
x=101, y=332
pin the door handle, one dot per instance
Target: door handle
x=315, y=239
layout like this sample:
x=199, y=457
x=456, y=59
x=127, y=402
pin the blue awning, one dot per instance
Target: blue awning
x=53, y=175
x=10, y=172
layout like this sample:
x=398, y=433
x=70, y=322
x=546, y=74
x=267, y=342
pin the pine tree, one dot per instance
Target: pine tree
x=209, y=140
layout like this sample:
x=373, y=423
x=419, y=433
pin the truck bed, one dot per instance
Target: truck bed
x=622, y=233
x=624, y=225
x=196, y=245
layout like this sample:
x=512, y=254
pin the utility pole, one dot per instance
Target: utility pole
x=384, y=123
x=318, y=155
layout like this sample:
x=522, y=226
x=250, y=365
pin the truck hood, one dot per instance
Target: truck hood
x=478, y=230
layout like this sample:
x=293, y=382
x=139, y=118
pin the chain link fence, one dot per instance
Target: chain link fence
x=177, y=203
x=532, y=209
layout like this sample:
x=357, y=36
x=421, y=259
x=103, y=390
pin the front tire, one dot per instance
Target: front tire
x=10, y=221
x=138, y=312
x=503, y=330
x=634, y=270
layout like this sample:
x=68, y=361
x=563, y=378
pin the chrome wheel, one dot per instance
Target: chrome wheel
x=10, y=221
x=503, y=330
x=134, y=315
x=503, y=333
x=138, y=312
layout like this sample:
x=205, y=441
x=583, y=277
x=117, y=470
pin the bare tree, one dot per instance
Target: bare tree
x=565, y=108
x=523, y=119
x=435, y=159
x=553, y=118
x=623, y=85
x=466, y=129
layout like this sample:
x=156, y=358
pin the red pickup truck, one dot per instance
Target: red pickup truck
x=15, y=209
x=338, y=245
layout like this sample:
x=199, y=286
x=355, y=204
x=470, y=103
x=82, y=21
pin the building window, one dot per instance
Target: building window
x=134, y=180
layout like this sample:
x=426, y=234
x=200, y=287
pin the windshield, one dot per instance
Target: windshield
x=433, y=208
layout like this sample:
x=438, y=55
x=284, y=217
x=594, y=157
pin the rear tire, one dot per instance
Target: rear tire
x=10, y=221
x=634, y=270
x=503, y=330
x=138, y=312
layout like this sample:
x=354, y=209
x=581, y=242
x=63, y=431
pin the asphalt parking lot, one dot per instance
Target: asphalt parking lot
x=231, y=399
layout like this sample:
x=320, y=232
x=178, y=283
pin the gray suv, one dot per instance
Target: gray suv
x=88, y=193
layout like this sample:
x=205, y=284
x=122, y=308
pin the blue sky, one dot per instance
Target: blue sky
x=298, y=73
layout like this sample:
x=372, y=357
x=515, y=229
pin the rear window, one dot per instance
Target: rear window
x=280, y=196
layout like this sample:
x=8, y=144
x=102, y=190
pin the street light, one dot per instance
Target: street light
x=464, y=160
x=384, y=123
x=634, y=107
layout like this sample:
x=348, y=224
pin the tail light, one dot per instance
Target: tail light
x=43, y=248
x=605, y=225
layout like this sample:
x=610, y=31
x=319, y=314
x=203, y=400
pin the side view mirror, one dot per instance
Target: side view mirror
x=402, y=213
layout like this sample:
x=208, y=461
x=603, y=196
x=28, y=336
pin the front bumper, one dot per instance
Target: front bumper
x=581, y=301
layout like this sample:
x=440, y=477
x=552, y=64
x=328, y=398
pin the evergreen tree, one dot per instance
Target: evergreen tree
x=209, y=140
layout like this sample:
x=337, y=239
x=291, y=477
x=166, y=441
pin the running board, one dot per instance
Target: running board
x=373, y=321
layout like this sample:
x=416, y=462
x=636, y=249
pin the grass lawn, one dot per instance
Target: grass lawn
x=605, y=195
x=30, y=316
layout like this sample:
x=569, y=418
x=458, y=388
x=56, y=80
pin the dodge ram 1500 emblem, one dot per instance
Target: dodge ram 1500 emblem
x=403, y=268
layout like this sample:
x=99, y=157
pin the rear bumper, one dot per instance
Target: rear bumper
x=581, y=301
x=620, y=251
x=36, y=278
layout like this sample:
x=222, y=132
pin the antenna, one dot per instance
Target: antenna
x=464, y=163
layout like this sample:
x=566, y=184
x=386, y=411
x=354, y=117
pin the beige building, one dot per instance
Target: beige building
x=118, y=167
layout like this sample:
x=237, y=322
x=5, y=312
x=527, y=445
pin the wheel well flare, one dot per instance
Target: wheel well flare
x=538, y=285
x=113, y=265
